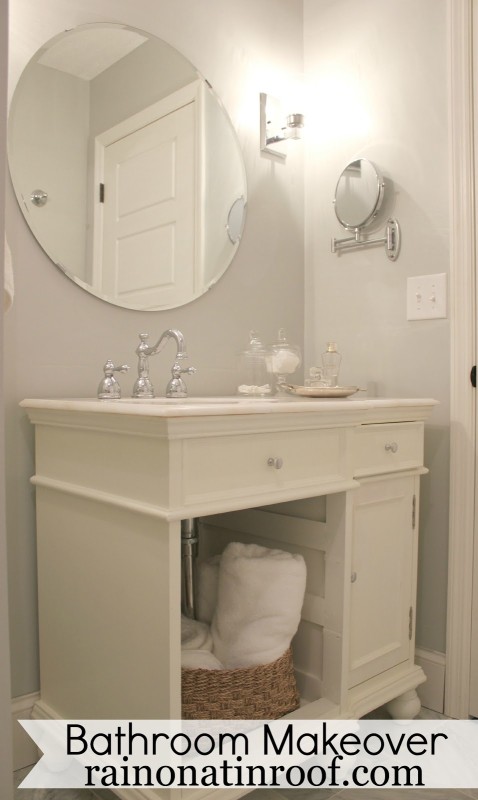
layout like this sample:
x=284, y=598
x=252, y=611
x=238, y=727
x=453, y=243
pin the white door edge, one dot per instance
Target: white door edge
x=462, y=333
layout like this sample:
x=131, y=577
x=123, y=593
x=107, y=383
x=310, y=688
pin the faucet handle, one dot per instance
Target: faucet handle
x=177, y=370
x=176, y=386
x=109, y=368
x=109, y=388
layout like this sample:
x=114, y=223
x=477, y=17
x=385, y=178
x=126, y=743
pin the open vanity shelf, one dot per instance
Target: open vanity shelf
x=113, y=481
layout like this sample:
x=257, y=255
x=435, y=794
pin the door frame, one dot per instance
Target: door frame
x=6, y=742
x=463, y=349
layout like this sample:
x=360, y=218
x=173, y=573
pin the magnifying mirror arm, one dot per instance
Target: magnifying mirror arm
x=391, y=240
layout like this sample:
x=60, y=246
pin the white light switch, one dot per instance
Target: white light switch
x=426, y=297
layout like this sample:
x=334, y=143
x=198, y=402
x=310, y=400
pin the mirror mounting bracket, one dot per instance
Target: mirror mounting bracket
x=391, y=240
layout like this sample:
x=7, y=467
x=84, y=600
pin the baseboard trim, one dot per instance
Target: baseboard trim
x=432, y=692
x=24, y=748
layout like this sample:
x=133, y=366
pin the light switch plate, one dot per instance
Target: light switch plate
x=426, y=297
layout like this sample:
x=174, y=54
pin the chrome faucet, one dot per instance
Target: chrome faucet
x=176, y=386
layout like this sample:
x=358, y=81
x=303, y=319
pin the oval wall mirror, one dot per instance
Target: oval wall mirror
x=358, y=194
x=126, y=167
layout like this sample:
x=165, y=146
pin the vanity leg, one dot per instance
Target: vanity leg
x=405, y=706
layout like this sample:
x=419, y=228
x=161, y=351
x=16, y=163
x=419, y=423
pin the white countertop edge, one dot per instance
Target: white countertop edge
x=231, y=405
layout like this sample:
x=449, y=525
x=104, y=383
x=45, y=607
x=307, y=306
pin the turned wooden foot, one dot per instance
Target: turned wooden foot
x=405, y=706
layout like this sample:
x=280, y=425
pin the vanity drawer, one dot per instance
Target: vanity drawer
x=387, y=448
x=248, y=465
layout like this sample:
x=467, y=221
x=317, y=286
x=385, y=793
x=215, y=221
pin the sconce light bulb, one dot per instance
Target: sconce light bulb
x=295, y=124
x=295, y=121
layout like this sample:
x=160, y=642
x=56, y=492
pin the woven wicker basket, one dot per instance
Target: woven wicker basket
x=265, y=692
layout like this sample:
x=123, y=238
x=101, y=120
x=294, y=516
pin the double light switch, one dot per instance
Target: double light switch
x=426, y=297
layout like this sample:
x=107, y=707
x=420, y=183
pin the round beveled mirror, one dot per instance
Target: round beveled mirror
x=358, y=194
x=126, y=167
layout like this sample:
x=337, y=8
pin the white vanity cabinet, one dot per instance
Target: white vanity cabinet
x=337, y=480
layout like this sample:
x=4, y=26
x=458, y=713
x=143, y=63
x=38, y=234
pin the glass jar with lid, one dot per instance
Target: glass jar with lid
x=283, y=359
x=254, y=378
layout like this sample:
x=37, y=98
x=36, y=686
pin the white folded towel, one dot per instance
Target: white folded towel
x=199, y=659
x=8, y=279
x=207, y=576
x=195, y=635
x=260, y=596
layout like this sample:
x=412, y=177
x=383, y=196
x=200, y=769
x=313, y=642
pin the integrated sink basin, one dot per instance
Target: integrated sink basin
x=183, y=400
x=197, y=400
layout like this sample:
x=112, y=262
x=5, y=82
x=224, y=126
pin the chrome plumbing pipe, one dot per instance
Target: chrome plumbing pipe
x=189, y=550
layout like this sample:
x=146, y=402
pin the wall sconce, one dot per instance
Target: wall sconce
x=276, y=128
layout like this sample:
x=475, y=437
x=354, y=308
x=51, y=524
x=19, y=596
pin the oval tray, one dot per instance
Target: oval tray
x=321, y=391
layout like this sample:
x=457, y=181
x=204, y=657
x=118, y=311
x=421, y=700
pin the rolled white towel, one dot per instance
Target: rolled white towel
x=207, y=576
x=195, y=635
x=260, y=596
x=199, y=659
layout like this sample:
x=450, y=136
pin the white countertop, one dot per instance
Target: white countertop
x=221, y=406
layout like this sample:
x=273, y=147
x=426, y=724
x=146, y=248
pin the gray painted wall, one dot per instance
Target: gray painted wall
x=377, y=89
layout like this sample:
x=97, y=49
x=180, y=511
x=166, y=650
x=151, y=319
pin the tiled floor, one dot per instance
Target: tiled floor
x=57, y=794
x=369, y=794
x=263, y=794
x=272, y=794
x=361, y=794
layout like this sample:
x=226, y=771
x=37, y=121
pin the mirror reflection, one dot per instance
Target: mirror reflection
x=126, y=167
x=359, y=194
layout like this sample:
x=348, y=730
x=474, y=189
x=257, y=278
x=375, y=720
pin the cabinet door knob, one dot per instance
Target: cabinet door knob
x=275, y=462
x=391, y=447
x=353, y=577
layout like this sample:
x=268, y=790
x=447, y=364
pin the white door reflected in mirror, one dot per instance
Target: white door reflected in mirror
x=146, y=224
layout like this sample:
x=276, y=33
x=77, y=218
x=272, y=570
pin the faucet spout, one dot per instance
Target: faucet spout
x=176, y=386
x=171, y=333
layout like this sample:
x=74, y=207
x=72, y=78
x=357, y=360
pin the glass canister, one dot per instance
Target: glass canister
x=283, y=359
x=254, y=378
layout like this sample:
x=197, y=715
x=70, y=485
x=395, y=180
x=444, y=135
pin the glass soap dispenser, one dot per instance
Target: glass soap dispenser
x=331, y=363
x=254, y=380
x=283, y=359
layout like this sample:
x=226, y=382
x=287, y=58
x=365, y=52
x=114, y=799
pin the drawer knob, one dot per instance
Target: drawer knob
x=353, y=577
x=275, y=462
x=391, y=447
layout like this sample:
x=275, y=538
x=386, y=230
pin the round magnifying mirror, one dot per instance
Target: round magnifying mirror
x=358, y=194
x=126, y=167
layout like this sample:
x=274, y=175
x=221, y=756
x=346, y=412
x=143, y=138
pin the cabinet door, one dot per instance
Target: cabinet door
x=383, y=576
